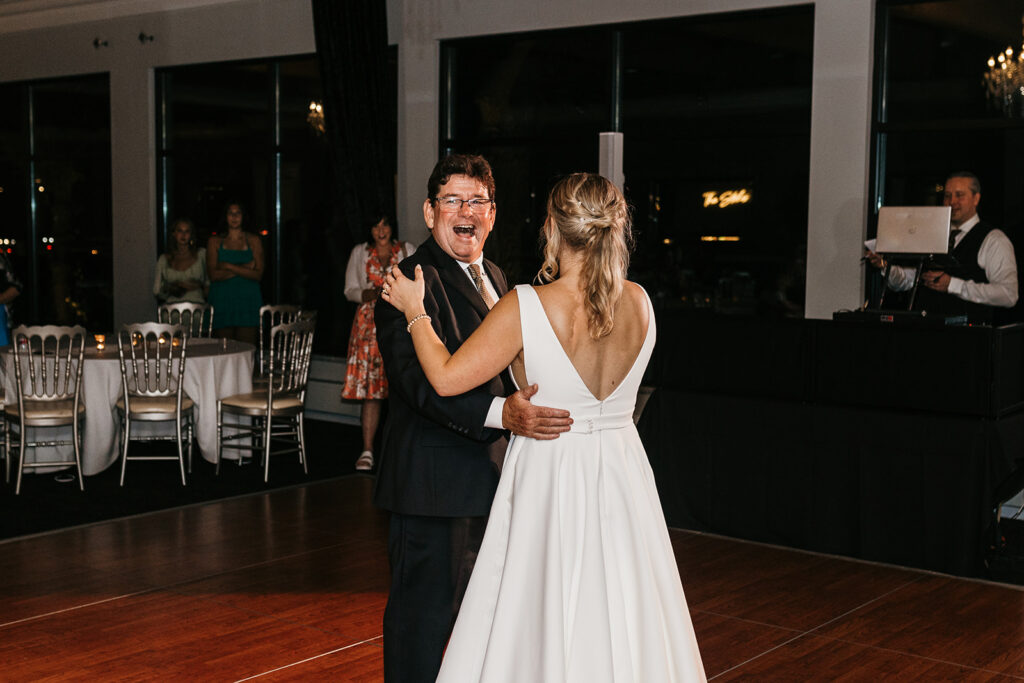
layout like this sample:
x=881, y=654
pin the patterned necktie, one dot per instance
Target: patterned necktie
x=952, y=239
x=478, y=280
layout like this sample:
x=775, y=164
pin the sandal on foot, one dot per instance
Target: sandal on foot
x=365, y=461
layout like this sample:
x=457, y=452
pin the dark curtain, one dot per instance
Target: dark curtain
x=352, y=48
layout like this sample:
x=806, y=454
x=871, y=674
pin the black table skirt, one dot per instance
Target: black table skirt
x=904, y=487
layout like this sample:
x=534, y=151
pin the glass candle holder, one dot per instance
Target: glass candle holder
x=100, y=339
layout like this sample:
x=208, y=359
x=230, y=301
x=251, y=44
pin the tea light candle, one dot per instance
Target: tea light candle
x=100, y=338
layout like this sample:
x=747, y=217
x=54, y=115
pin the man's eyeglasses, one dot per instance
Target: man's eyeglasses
x=453, y=204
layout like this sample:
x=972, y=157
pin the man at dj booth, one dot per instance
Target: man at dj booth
x=985, y=271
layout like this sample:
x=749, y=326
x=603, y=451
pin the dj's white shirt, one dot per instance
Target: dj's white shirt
x=995, y=257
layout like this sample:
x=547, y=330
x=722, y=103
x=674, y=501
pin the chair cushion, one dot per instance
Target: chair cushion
x=258, y=399
x=46, y=410
x=155, y=404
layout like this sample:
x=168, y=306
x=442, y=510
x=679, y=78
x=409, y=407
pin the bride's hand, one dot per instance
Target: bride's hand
x=401, y=292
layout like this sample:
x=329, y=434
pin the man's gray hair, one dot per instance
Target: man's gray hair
x=975, y=183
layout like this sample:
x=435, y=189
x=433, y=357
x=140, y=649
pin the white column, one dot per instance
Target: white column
x=133, y=188
x=419, y=60
x=609, y=158
x=840, y=153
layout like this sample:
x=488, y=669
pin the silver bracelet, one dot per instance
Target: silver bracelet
x=416, y=319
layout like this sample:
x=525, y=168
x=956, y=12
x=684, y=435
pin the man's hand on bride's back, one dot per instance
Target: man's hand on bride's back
x=401, y=292
x=521, y=417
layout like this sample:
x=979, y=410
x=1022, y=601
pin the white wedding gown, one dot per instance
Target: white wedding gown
x=576, y=581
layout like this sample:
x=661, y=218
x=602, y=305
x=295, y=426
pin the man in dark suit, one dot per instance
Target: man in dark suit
x=437, y=470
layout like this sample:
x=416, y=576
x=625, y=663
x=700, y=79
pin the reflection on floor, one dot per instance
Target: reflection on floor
x=291, y=584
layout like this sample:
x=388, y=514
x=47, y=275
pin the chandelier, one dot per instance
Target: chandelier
x=315, y=117
x=1004, y=80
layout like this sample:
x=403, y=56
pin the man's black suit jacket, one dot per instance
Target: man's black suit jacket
x=437, y=455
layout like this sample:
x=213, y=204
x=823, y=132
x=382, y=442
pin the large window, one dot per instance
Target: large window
x=715, y=116
x=933, y=113
x=55, y=212
x=239, y=132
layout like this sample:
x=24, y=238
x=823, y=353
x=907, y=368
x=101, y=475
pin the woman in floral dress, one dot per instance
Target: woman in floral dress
x=364, y=376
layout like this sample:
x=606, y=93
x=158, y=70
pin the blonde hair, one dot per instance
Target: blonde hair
x=588, y=213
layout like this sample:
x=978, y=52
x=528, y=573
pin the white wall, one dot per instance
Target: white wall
x=47, y=38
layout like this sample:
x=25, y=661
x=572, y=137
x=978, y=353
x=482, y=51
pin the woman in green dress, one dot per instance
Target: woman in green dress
x=234, y=260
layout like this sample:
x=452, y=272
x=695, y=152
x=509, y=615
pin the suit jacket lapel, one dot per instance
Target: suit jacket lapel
x=453, y=276
x=497, y=278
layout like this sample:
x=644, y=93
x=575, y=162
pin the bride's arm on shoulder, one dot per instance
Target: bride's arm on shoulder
x=487, y=352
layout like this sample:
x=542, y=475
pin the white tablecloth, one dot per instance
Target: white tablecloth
x=213, y=370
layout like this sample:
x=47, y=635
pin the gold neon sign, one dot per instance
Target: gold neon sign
x=726, y=198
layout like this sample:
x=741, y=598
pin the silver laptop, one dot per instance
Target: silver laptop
x=913, y=230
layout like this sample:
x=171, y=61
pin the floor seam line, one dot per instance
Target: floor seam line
x=161, y=587
x=812, y=631
x=865, y=604
x=759, y=655
x=922, y=657
x=267, y=615
x=76, y=607
x=309, y=659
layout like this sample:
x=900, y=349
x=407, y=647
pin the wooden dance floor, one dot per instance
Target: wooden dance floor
x=291, y=585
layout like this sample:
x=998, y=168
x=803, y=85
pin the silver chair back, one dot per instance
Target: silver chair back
x=271, y=316
x=152, y=359
x=289, y=355
x=197, y=319
x=48, y=362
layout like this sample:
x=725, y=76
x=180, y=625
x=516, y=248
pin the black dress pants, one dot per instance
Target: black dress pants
x=431, y=561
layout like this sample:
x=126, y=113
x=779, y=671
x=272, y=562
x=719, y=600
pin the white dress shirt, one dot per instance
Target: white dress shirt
x=995, y=257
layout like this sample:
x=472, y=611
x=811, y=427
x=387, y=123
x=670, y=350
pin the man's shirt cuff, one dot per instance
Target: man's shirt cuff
x=494, y=413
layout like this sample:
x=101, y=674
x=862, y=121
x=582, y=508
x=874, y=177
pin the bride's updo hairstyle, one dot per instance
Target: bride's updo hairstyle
x=588, y=213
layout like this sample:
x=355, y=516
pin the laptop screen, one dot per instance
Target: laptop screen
x=913, y=230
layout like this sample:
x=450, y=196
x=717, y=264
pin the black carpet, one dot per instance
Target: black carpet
x=45, y=504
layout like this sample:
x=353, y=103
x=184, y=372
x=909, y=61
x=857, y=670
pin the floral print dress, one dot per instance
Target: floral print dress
x=364, y=377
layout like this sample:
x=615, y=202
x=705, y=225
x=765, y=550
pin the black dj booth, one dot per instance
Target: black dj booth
x=886, y=442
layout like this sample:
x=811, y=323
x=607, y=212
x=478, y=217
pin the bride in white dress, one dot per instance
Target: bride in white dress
x=576, y=580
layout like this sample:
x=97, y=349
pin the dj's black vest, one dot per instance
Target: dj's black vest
x=966, y=268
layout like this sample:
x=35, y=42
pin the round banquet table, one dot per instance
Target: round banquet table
x=214, y=368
